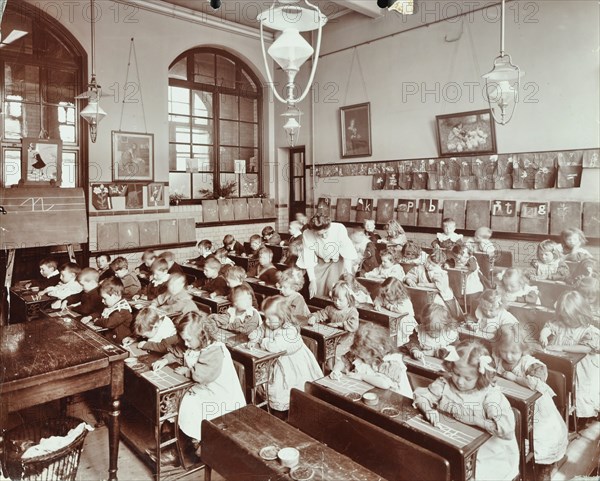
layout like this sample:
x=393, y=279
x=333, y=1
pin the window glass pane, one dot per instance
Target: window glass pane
x=202, y=182
x=229, y=107
x=202, y=131
x=248, y=85
x=228, y=155
x=12, y=167
x=203, y=104
x=178, y=154
x=22, y=82
x=248, y=184
x=204, y=68
x=203, y=155
x=248, y=109
x=179, y=129
x=248, y=135
x=179, y=70
x=179, y=101
x=225, y=72
x=229, y=132
x=251, y=158
x=60, y=122
x=299, y=189
x=227, y=178
x=21, y=120
x=68, y=173
x=180, y=184
x=61, y=87
x=298, y=164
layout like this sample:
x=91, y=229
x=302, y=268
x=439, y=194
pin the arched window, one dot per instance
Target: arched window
x=43, y=68
x=215, y=125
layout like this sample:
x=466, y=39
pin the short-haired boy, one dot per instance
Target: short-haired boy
x=205, y=248
x=215, y=285
x=265, y=271
x=270, y=236
x=157, y=328
x=103, y=264
x=177, y=300
x=158, y=280
x=67, y=287
x=144, y=270
x=91, y=302
x=232, y=245
x=116, y=317
x=236, y=276
x=49, y=272
x=131, y=284
x=170, y=258
x=255, y=243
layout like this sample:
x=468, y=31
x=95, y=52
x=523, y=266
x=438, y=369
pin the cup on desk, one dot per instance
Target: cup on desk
x=289, y=457
x=35, y=289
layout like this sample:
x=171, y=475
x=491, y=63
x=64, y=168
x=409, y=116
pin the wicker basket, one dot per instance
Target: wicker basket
x=58, y=465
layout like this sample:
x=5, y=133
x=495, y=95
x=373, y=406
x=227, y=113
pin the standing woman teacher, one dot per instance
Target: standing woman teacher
x=327, y=253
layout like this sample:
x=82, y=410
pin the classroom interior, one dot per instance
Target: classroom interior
x=131, y=126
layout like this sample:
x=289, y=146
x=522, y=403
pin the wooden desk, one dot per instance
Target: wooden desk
x=260, y=287
x=326, y=337
x=457, y=442
x=246, y=263
x=257, y=363
x=531, y=318
x=193, y=271
x=26, y=305
x=231, y=445
x=46, y=360
x=218, y=305
x=551, y=291
x=521, y=398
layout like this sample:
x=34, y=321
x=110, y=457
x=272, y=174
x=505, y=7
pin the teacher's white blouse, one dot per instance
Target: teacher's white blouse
x=329, y=249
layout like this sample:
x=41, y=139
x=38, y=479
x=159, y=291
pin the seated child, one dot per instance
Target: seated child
x=157, y=328
x=290, y=284
x=589, y=288
x=236, y=276
x=49, y=272
x=513, y=287
x=396, y=238
x=215, y=285
x=368, y=257
x=482, y=242
x=448, y=238
x=91, y=302
x=301, y=217
x=295, y=231
x=103, y=264
x=434, y=334
x=475, y=282
x=548, y=264
x=412, y=254
x=373, y=358
x=170, y=258
x=290, y=256
x=116, y=317
x=513, y=362
x=369, y=229
x=342, y=314
x=177, y=300
x=67, y=287
x=205, y=248
x=222, y=257
x=393, y=297
x=269, y=236
x=255, y=245
x=208, y=363
x=468, y=394
x=387, y=268
x=233, y=246
x=360, y=292
x=241, y=316
x=158, y=280
x=131, y=284
x=490, y=315
x=574, y=330
x=265, y=271
x=144, y=270
x=297, y=365
x=572, y=241
x=585, y=268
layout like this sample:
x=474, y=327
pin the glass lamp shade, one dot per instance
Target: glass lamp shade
x=290, y=50
x=93, y=114
x=292, y=124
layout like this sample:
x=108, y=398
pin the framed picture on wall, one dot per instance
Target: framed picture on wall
x=355, y=126
x=132, y=156
x=41, y=161
x=466, y=133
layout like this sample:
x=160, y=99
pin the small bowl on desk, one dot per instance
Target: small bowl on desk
x=302, y=473
x=370, y=398
x=289, y=457
x=34, y=289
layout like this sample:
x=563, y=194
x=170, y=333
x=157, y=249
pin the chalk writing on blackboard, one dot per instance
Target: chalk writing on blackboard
x=504, y=208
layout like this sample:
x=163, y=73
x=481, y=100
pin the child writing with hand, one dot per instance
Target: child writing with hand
x=265, y=271
x=131, y=284
x=158, y=330
x=372, y=358
x=360, y=292
x=269, y=236
x=232, y=246
x=574, y=331
x=393, y=297
x=68, y=287
x=236, y=276
x=513, y=362
x=297, y=365
x=434, y=334
x=490, y=315
x=158, y=282
x=467, y=394
x=388, y=268
x=291, y=282
x=176, y=300
x=513, y=287
x=241, y=316
x=116, y=317
x=548, y=264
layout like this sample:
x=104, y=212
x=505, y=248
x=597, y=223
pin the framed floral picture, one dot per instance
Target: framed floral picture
x=355, y=126
x=132, y=156
x=466, y=133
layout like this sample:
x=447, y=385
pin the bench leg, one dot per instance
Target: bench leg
x=207, y=473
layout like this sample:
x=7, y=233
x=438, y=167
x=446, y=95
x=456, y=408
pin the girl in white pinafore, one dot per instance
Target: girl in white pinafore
x=550, y=434
x=207, y=362
x=467, y=394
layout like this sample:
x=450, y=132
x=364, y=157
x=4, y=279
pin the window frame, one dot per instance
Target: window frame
x=216, y=90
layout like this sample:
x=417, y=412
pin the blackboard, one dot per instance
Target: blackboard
x=169, y=231
x=343, y=209
x=385, y=210
x=129, y=235
x=187, y=230
x=455, y=209
x=240, y=209
x=564, y=215
x=407, y=211
x=42, y=216
x=107, y=236
x=478, y=214
x=591, y=219
x=504, y=216
x=149, y=233
x=225, y=209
